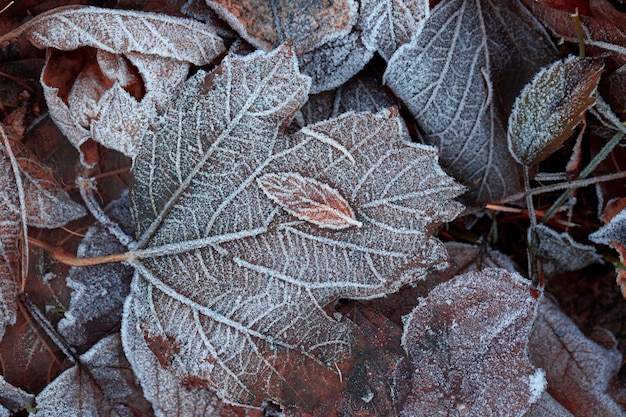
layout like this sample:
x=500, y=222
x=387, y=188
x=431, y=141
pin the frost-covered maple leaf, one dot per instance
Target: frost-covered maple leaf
x=246, y=234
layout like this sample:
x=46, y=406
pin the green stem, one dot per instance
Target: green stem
x=579, y=31
x=584, y=174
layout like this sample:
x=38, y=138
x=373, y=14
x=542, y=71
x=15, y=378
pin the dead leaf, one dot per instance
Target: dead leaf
x=561, y=251
x=170, y=395
x=389, y=24
x=578, y=370
x=547, y=406
x=101, y=96
x=102, y=385
x=230, y=289
x=613, y=233
x=12, y=397
x=550, y=107
x=98, y=291
x=329, y=48
x=459, y=77
x=468, y=341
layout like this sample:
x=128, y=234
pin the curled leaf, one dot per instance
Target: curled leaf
x=550, y=107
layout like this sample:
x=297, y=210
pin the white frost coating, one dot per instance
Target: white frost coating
x=230, y=290
x=468, y=342
x=124, y=31
x=560, y=250
x=613, y=231
x=537, y=383
x=388, y=24
x=445, y=74
x=108, y=389
x=549, y=108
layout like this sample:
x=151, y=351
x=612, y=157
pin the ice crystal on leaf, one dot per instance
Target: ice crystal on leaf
x=230, y=286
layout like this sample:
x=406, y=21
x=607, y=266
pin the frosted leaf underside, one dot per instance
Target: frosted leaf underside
x=233, y=287
x=455, y=77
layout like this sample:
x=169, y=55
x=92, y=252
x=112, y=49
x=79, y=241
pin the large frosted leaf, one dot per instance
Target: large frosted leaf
x=459, y=77
x=468, y=340
x=231, y=289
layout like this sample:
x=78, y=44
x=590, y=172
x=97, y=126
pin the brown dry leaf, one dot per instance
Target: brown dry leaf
x=459, y=77
x=578, y=370
x=13, y=398
x=468, y=340
x=102, y=385
x=230, y=290
x=98, y=94
x=550, y=107
x=547, y=406
x=613, y=233
x=329, y=48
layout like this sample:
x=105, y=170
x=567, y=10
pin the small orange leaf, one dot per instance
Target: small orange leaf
x=309, y=200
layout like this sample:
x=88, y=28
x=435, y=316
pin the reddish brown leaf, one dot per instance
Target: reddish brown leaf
x=578, y=370
x=468, y=341
x=309, y=200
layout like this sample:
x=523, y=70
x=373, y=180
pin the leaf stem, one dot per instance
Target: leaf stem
x=584, y=174
x=66, y=258
x=579, y=32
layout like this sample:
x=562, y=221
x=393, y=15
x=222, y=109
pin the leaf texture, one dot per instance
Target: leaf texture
x=234, y=288
x=468, y=341
x=561, y=251
x=124, y=31
x=329, y=46
x=309, y=200
x=99, y=291
x=578, y=370
x=456, y=77
x=97, y=95
x=388, y=24
x=102, y=386
x=550, y=107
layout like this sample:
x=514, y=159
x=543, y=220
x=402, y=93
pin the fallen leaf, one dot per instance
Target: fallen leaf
x=613, y=233
x=360, y=94
x=547, y=406
x=561, y=251
x=47, y=204
x=99, y=291
x=329, y=46
x=459, y=77
x=389, y=24
x=13, y=398
x=170, y=395
x=230, y=289
x=100, y=97
x=102, y=385
x=468, y=340
x=578, y=370
x=550, y=107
